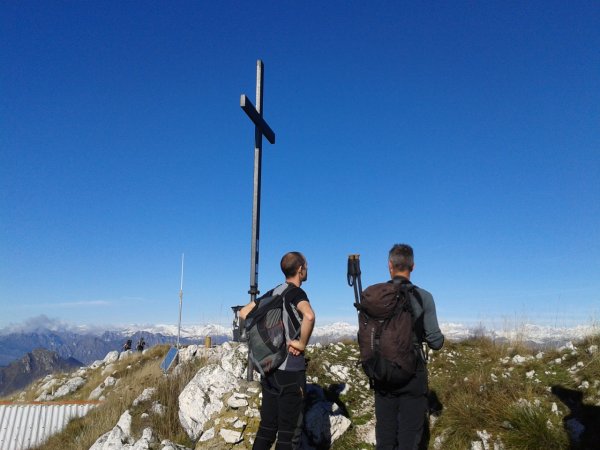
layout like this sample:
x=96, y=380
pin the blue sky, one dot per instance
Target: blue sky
x=469, y=130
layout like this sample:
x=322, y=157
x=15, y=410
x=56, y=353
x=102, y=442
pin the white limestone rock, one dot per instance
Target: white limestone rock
x=119, y=435
x=97, y=392
x=69, y=387
x=145, y=441
x=234, y=361
x=239, y=423
x=339, y=372
x=230, y=436
x=207, y=435
x=252, y=412
x=201, y=399
x=366, y=432
x=584, y=385
x=237, y=401
x=125, y=354
x=144, y=396
x=111, y=357
x=568, y=346
x=518, y=359
x=168, y=445
x=108, y=369
x=157, y=408
x=187, y=353
x=49, y=383
x=124, y=423
x=96, y=364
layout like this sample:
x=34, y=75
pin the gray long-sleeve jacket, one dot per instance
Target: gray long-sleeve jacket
x=431, y=330
x=432, y=334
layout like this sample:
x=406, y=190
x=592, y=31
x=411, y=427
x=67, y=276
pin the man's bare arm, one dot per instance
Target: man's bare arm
x=308, y=323
x=246, y=310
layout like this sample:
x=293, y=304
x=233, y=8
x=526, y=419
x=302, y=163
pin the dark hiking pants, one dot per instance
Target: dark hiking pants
x=281, y=412
x=400, y=417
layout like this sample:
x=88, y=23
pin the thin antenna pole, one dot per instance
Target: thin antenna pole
x=180, y=302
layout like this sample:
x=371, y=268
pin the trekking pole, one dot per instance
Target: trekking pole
x=354, y=276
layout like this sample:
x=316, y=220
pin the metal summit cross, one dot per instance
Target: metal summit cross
x=260, y=128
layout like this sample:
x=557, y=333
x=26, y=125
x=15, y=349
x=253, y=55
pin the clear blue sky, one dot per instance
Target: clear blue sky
x=469, y=130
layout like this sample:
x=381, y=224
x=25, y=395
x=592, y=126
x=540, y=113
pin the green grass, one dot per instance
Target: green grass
x=512, y=402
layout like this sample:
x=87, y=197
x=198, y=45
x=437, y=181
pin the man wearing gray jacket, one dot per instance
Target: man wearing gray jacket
x=400, y=413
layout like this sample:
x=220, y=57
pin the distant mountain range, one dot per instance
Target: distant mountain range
x=83, y=346
x=33, y=365
x=30, y=353
x=87, y=344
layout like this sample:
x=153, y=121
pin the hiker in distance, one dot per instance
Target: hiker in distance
x=283, y=389
x=400, y=410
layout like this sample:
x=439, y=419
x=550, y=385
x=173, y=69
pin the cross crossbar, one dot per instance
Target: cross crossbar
x=260, y=123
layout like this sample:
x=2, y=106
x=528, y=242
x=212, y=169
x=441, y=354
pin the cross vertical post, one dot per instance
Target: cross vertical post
x=257, y=184
x=260, y=128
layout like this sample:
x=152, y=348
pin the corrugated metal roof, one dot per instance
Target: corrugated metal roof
x=26, y=425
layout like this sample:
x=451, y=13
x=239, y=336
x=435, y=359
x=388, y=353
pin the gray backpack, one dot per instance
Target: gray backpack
x=269, y=326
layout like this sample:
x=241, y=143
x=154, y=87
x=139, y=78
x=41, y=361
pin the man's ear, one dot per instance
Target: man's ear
x=390, y=266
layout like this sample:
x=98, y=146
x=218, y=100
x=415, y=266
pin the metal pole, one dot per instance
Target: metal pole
x=256, y=198
x=257, y=182
x=180, y=302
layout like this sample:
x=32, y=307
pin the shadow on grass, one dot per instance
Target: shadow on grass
x=583, y=422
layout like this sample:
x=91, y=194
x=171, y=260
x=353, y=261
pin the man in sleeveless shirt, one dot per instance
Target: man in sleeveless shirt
x=284, y=389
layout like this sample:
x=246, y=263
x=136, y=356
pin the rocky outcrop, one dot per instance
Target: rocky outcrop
x=220, y=409
x=202, y=398
x=120, y=438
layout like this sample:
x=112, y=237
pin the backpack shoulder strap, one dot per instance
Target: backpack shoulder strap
x=412, y=290
x=418, y=324
x=291, y=316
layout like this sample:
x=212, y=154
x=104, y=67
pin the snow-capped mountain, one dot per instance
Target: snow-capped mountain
x=187, y=331
x=528, y=333
x=87, y=343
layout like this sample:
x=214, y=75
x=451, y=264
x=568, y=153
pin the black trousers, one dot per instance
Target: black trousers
x=400, y=416
x=281, y=411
